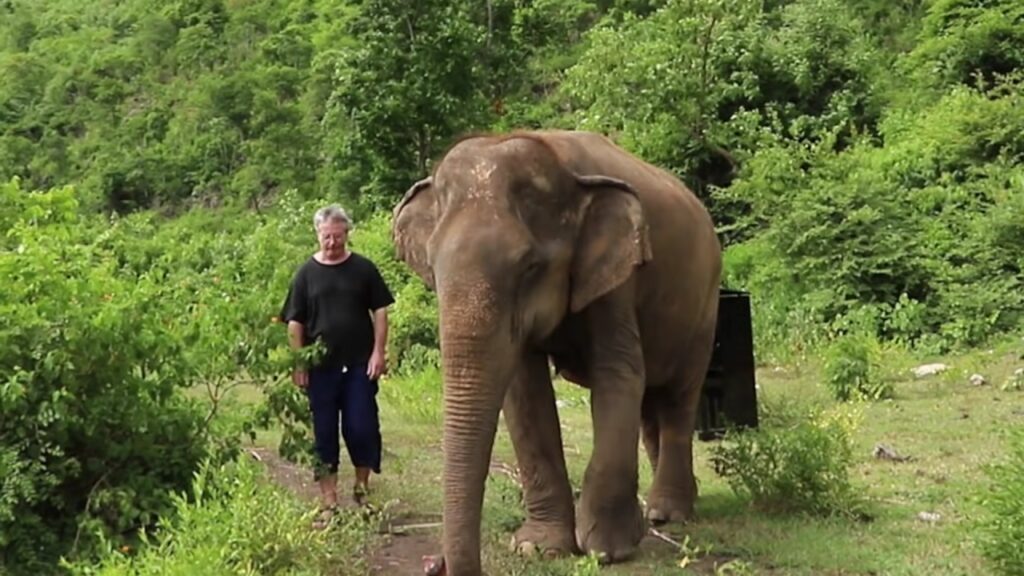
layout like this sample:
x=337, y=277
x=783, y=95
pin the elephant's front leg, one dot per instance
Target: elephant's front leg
x=610, y=522
x=532, y=420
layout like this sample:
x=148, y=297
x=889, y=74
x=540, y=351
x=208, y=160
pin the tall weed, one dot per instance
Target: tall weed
x=852, y=369
x=1002, y=529
x=235, y=522
x=802, y=468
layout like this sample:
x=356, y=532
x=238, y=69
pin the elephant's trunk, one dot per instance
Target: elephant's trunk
x=476, y=376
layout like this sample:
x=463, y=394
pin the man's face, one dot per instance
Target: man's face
x=332, y=236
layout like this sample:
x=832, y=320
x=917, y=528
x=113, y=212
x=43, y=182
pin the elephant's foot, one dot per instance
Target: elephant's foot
x=666, y=509
x=611, y=530
x=671, y=501
x=547, y=539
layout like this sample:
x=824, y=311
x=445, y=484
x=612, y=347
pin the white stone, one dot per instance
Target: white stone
x=930, y=369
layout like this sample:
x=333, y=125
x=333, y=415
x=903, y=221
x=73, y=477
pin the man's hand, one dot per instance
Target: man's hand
x=377, y=365
x=301, y=378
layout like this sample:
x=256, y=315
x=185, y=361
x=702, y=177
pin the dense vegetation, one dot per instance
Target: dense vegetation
x=159, y=162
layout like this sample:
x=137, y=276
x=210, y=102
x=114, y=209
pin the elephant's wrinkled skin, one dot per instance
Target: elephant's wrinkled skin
x=562, y=246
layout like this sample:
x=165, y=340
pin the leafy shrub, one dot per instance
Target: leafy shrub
x=852, y=371
x=965, y=41
x=802, y=468
x=1002, y=529
x=235, y=522
x=93, y=433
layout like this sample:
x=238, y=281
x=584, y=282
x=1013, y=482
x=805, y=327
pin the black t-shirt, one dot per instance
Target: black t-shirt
x=334, y=303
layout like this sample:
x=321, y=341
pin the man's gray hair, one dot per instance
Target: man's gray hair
x=332, y=213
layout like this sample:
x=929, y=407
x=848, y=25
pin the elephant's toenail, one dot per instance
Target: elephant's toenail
x=527, y=548
x=552, y=553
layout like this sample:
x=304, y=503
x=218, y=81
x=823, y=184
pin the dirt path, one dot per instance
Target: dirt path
x=407, y=536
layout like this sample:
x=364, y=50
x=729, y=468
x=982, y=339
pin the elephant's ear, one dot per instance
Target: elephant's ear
x=412, y=222
x=612, y=242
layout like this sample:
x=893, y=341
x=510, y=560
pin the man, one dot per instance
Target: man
x=339, y=298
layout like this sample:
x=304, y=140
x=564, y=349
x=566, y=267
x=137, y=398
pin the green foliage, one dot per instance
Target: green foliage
x=93, y=433
x=919, y=227
x=1002, y=528
x=234, y=522
x=799, y=468
x=852, y=370
x=661, y=81
x=695, y=86
x=969, y=42
x=415, y=77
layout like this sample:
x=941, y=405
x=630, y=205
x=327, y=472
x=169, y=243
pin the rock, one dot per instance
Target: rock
x=978, y=380
x=929, y=369
x=884, y=452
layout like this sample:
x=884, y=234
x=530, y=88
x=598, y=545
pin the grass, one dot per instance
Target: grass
x=949, y=428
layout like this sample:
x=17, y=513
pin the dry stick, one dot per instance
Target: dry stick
x=422, y=526
x=664, y=538
x=88, y=502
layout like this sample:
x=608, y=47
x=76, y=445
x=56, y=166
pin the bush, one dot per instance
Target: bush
x=852, y=371
x=235, y=522
x=93, y=434
x=1002, y=529
x=801, y=468
x=964, y=42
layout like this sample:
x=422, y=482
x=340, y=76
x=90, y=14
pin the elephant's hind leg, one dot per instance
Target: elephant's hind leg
x=673, y=492
x=532, y=420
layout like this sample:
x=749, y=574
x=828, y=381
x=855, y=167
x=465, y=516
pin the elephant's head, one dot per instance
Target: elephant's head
x=511, y=240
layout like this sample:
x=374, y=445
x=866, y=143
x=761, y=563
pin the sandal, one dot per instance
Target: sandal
x=359, y=492
x=324, y=517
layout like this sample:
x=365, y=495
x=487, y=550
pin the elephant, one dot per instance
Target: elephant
x=557, y=251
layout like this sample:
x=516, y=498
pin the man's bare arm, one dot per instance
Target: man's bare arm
x=378, y=360
x=380, y=330
x=295, y=330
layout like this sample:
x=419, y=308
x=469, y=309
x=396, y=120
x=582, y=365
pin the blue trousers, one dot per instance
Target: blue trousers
x=351, y=395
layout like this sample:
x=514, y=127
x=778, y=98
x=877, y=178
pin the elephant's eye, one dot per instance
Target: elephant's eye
x=533, y=268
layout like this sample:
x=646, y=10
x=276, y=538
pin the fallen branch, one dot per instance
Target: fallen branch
x=402, y=528
x=664, y=538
